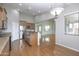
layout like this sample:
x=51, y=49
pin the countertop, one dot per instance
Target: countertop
x=4, y=38
x=5, y=34
x=3, y=42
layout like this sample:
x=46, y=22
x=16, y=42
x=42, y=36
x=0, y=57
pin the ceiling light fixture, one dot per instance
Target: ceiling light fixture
x=29, y=7
x=39, y=11
x=20, y=4
x=49, y=6
x=57, y=11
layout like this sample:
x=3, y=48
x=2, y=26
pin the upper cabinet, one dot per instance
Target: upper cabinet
x=30, y=26
x=3, y=18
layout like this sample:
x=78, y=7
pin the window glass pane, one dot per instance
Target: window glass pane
x=39, y=28
x=21, y=28
x=47, y=39
x=47, y=27
x=72, y=24
x=75, y=28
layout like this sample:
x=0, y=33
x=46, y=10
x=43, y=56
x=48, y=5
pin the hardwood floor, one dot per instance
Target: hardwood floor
x=20, y=48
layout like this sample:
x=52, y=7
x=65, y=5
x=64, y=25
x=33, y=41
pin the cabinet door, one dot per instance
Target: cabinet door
x=33, y=39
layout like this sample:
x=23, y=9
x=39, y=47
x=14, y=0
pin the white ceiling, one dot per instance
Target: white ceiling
x=33, y=9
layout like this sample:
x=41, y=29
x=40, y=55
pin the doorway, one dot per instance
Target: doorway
x=22, y=25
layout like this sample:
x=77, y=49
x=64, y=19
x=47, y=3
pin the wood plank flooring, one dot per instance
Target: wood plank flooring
x=20, y=48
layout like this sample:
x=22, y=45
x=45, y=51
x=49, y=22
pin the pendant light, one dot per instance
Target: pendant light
x=56, y=11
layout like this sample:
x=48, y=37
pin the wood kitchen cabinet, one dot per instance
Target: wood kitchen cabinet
x=3, y=18
x=33, y=38
x=29, y=34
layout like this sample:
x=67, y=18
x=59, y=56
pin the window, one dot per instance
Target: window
x=39, y=28
x=47, y=27
x=21, y=28
x=72, y=24
x=47, y=39
x=75, y=28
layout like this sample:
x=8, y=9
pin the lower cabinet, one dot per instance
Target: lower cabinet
x=32, y=40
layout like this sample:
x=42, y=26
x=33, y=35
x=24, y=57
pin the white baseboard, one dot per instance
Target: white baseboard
x=68, y=47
